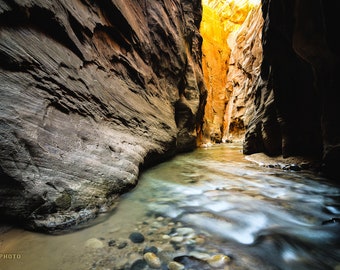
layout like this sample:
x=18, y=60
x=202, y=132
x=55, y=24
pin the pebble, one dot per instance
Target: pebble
x=165, y=237
x=185, y=231
x=137, y=237
x=160, y=218
x=175, y=266
x=138, y=265
x=190, y=242
x=218, y=260
x=167, y=253
x=122, y=245
x=199, y=255
x=94, y=243
x=152, y=260
x=173, y=231
x=152, y=249
x=111, y=243
x=199, y=240
x=177, y=239
x=156, y=225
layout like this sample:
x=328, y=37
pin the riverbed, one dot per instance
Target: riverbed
x=207, y=209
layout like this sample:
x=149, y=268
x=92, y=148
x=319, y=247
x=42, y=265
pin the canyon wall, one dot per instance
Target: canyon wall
x=296, y=99
x=215, y=64
x=274, y=84
x=91, y=91
x=228, y=56
x=243, y=74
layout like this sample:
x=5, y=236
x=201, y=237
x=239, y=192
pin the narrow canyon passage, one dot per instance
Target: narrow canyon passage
x=232, y=57
x=195, y=209
x=127, y=130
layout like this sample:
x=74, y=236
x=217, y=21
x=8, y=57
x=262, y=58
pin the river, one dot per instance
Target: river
x=206, y=205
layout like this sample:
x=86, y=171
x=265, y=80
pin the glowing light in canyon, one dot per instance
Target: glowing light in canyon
x=221, y=18
x=237, y=2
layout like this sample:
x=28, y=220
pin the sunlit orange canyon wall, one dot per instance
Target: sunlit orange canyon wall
x=232, y=55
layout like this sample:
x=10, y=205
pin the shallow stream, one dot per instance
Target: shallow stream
x=198, y=205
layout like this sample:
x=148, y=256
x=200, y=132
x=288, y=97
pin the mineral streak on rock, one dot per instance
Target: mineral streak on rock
x=90, y=92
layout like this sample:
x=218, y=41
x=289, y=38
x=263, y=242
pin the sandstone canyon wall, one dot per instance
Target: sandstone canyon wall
x=282, y=100
x=90, y=92
x=243, y=74
x=215, y=64
x=231, y=46
x=297, y=97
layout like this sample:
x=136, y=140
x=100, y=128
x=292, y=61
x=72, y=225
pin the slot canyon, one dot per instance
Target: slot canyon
x=94, y=94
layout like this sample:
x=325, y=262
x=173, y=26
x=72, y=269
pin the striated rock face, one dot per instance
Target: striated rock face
x=215, y=64
x=90, y=92
x=297, y=102
x=220, y=23
x=243, y=74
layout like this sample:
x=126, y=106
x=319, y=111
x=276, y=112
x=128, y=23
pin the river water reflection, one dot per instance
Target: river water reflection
x=210, y=201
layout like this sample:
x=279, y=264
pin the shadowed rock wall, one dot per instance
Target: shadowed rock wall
x=296, y=101
x=90, y=92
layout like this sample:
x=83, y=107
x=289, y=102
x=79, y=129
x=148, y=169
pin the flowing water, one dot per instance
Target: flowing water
x=211, y=201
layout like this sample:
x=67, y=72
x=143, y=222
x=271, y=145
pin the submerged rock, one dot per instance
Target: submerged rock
x=218, y=260
x=191, y=262
x=94, y=243
x=137, y=237
x=138, y=265
x=175, y=266
x=152, y=260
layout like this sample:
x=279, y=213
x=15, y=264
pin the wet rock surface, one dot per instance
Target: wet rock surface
x=286, y=163
x=91, y=91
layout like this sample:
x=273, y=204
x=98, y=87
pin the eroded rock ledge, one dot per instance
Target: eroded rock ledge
x=90, y=92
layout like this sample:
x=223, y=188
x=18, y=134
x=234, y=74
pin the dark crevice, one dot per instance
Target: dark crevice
x=131, y=72
x=78, y=29
x=9, y=182
x=103, y=107
x=46, y=21
x=88, y=3
x=11, y=64
x=116, y=19
x=15, y=17
x=115, y=35
x=41, y=19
